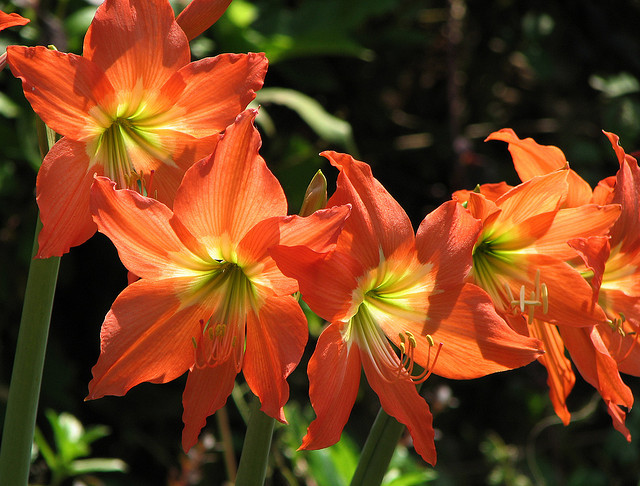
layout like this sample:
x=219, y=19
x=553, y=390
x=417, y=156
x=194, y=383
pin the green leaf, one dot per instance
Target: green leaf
x=8, y=108
x=68, y=435
x=615, y=85
x=97, y=464
x=94, y=433
x=328, y=127
x=412, y=478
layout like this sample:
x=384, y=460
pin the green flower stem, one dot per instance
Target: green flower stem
x=22, y=403
x=378, y=450
x=255, y=451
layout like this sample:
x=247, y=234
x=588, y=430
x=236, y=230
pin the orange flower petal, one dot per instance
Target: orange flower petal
x=626, y=302
x=579, y=190
x=627, y=194
x=377, y=220
x=142, y=230
x=62, y=88
x=11, y=20
x=581, y=222
x=206, y=392
x=318, y=232
x=62, y=187
x=146, y=336
x=400, y=399
x=615, y=143
x=137, y=43
x=603, y=192
x=624, y=349
x=200, y=111
x=199, y=15
x=482, y=208
x=491, y=191
x=618, y=417
x=327, y=281
x=446, y=238
x=523, y=235
x=531, y=159
x=596, y=366
x=334, y=377
x=166, y=178
x=475, y=340
x=570, y=297
x=595, y=252
x=599, y=369
x=231, y=191
x=275, y=343
x=538, y=195
x=561, y=377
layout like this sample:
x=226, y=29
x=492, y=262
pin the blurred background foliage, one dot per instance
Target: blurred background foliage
x=412, y=87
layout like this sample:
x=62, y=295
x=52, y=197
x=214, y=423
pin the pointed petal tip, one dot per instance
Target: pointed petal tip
x=310, y=444
x=498, y=133
x=338, y=159
x=248, y=114
x=96, y=392
x=279, y=416
x=92, y=395
x=188, y=441
x=11, y=20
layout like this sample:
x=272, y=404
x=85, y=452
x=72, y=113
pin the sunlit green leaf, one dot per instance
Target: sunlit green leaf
x=328, y=127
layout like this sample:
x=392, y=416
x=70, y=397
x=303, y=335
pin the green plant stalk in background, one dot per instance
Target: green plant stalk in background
x=255, y=450
x=378, y=450
x=24, y=391
x=26, y=377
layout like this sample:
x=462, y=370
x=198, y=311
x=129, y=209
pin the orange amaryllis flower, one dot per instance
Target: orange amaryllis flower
x=210, y=299
x=385, y=289
x=199, y=15
x=617, y=273
x=519, y=255
x=132, y=108
x=585, y=345
x=613, y=265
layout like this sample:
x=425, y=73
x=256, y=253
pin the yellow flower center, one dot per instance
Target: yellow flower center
x=130, y=151
x=496, y=271
x=392, y=291
x=231, y=294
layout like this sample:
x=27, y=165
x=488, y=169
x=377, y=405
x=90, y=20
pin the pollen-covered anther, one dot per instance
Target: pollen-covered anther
x=544, y=294
x=220, y=330
x=407, y=349
x=617, y=325
x=537, y=298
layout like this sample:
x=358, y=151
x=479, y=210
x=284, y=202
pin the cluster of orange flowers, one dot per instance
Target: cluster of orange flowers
x=160, y=154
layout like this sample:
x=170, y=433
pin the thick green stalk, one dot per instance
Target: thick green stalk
x=26, y=377
x=378, y=450
x=255, y=451
x=24, y=391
